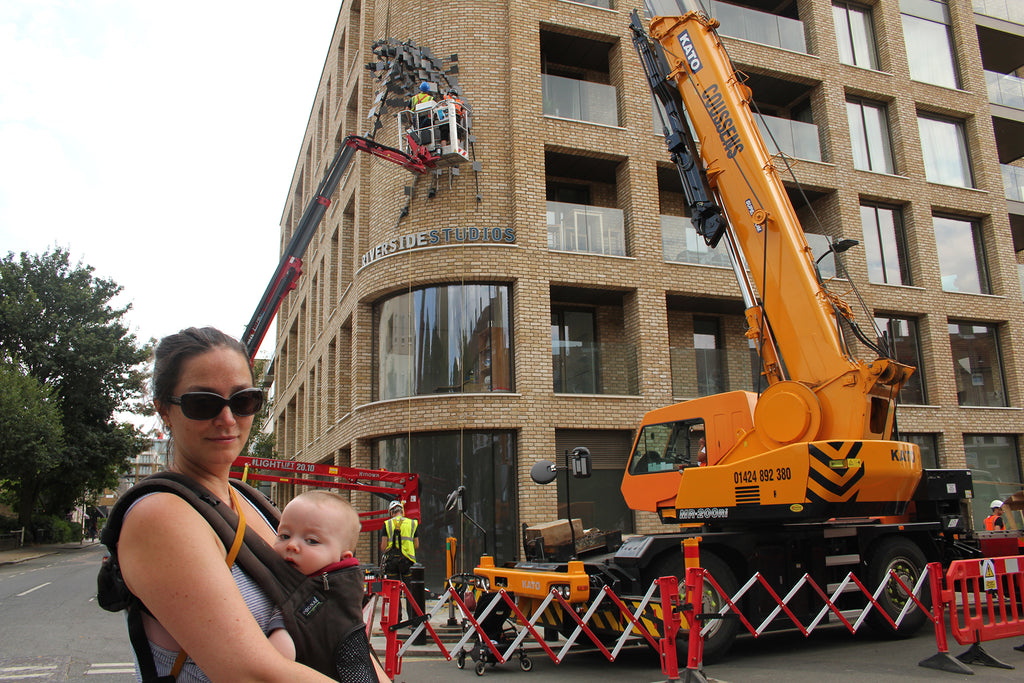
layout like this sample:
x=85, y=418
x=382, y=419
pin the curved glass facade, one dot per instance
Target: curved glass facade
x=443, y=340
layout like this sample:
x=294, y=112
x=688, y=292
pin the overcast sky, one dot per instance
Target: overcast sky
x=156, y=142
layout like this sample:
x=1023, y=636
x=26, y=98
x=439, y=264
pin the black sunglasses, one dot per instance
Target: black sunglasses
x=205, y=405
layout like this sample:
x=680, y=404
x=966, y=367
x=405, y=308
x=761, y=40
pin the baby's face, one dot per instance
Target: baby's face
x=308, y=536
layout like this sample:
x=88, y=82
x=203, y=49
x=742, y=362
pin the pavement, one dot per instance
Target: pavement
x=31, y=552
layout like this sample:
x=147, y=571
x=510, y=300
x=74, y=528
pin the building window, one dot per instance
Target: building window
x=899, y=336
x=707, y=343
x=929, y=42
x=855, y=35
x=869, y=136
x=597, y=500
x=449, y=339
x=977, y=364
x=961, y=255
x=929, y=445
x=574, y=352
x=994, y=460
x=482, y=461
x=884, y=245
x=944, y=147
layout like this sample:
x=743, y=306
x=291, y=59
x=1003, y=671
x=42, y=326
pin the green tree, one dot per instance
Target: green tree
x=261, y=444
x=32, y=437
x=57, y=324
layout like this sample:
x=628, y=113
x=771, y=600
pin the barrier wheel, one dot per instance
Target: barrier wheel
x=905, y=558
x=525, y=664
x=480, y=667
x=723, y=632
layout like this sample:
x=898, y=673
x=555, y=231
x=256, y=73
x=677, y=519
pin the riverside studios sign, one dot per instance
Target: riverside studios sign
x=438, y=237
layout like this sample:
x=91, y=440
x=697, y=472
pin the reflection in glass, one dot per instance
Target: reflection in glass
x=448, y=339
x=869, y=136
x=961, y=255
x=995, y=468
x=945, y=152
x=899, y=335
x=883, y=244
x=855, y=35
x=929, y=51
x=977, y=364
x=482, y=461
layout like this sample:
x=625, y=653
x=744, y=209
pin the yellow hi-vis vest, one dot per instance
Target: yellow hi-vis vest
x=406, y=533
x=420, y=98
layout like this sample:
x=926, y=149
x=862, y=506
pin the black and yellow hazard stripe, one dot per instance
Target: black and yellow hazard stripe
x=835, y=471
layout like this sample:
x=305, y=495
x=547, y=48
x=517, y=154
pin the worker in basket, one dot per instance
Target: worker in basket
x=423, y=123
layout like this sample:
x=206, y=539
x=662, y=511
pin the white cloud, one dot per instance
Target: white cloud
x=156, y=142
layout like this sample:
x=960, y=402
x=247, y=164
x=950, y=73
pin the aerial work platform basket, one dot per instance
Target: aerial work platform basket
x=440, y=127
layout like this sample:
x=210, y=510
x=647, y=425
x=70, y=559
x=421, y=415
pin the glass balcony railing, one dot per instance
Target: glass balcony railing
x=570, y=98
x=760, y=27
x=1005, y=90
x=1013, y=182
x=594, y=368
x=590, y=229
x=680, y=243
x=1010, y=10
x=794, y=138
x=606, y=4
x=698, y=372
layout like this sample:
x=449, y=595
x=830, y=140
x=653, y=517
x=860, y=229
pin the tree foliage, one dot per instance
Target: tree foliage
x=262, y=443
x=58, y=326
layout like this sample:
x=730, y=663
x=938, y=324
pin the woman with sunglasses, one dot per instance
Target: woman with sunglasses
x=170, y=557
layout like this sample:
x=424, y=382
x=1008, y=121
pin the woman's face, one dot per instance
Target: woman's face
x=220, y=439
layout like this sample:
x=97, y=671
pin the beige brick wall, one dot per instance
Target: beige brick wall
x=325, y=337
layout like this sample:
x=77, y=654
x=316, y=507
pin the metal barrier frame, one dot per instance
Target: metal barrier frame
x=390, y=591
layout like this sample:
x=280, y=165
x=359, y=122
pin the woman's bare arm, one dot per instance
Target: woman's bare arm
x=173, y=561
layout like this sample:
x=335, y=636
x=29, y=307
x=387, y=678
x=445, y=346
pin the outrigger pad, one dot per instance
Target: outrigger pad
x=976, y=655
x=693, y=676
x=943, y=661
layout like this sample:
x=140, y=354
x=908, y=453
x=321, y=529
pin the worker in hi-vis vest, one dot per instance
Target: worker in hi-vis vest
x=399, y=543
x=423, y=118
x=994, y=522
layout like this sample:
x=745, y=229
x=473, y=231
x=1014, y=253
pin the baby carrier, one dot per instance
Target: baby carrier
x=322, y=613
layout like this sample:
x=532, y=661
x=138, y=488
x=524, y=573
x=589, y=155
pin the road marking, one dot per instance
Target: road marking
x=108, y=668
x=18, y=673
x=33, y=589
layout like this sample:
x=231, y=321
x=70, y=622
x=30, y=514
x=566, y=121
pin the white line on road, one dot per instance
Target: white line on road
x=108, y=668
x=19, y=673
x=33, y=589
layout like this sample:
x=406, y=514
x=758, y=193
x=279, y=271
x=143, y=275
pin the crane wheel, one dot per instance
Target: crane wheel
x=905, y=558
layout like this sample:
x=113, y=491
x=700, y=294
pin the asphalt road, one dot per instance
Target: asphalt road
x=52, y=630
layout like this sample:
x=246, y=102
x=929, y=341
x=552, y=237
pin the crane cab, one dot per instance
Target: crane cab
x=439, y=128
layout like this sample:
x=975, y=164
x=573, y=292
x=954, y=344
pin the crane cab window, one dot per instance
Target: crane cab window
x=669, y=446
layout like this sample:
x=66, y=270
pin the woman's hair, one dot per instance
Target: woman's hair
x=174, y=349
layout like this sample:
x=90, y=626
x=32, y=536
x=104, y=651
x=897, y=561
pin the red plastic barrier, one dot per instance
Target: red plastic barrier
x=989, y=591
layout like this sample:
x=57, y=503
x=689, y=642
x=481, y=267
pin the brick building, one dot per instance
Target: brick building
x=560, y=292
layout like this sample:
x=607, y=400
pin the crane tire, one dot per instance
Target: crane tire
x=904, y=556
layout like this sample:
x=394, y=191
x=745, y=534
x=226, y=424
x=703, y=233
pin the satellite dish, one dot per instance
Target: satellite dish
x=543, y=472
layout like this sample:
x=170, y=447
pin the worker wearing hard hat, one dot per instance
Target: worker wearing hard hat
x=422, y=113
x=994, y=521
x=399, y=543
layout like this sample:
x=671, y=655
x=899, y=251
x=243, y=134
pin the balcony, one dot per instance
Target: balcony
x=594, y=368
x=698, y=372
x=1013, y=182
x=569, y=98
x=680, y=243
x=1005, y=90
x=760, y=27
x=1009, y=10
x=796, y=139
x=583, y=228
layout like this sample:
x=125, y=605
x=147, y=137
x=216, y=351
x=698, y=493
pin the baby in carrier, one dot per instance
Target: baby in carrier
x=317, y=535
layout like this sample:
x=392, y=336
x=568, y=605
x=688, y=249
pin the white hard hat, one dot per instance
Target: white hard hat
x=395, y=505
x=996, y=504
